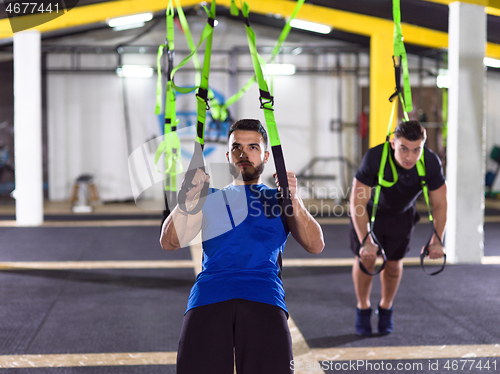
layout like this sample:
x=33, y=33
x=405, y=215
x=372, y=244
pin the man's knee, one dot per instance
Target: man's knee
x=393, y=268
x=367, y=263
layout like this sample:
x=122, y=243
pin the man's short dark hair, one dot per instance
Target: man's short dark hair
x=249, y=125
x=410, y=130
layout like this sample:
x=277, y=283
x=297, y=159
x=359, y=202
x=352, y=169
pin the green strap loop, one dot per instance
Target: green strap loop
x=400, y=51
x=385, y=155
x=205, y=35
x=202, y=95
x=159, y=88
x=197, y=161
x=170, y=25
x=190, y=42
x=425, y=189
x=276, y=49
x=238, y=95
x=405, y=113
x=267, y=102
x=234, y=9
x=267, y=105
x=217, y=111
x=170, y=146
x=170, y=47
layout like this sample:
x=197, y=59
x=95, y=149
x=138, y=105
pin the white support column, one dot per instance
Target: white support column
x=466, y=133
x=28, y=128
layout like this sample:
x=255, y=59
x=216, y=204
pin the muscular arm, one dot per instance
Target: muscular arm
x=304, y=228
x=360, y=196
x=439, y=205
x=180, y=228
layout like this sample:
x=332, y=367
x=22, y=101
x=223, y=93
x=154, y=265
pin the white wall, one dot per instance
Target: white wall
x=87, y=133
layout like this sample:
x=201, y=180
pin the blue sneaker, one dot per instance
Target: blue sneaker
x=363, y=324
x=385, y=323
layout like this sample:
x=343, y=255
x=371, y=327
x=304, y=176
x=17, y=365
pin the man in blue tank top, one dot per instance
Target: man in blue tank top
x=236, y=313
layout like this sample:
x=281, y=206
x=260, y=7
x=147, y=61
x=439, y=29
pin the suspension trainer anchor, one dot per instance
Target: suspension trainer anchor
x=265, y=95
x=203, y=95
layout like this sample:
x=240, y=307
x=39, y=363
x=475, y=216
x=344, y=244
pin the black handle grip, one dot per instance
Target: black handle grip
x=284, y=198
x=286, y=205
x=423, y=255
x=380, y=253
x=197, y=162
x=425, y=252
x=181, y=198
x=397, y=72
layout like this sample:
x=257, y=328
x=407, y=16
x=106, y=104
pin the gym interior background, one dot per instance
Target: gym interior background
x=97, y=283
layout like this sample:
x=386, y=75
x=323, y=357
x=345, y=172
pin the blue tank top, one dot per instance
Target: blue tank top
x=243, y=239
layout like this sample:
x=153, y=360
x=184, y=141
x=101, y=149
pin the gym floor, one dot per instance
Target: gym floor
x=95, y=293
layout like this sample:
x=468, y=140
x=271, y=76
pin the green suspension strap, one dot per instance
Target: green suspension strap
x=267, y=103
x=425, y=191
x=170, y=146
x=400, y=61
x=421, y=174
x=218, y=112
x=206, y=35
x=190, y=42
x=386, y=154
x=274, y=53
x=381, y=183
x=197, y=161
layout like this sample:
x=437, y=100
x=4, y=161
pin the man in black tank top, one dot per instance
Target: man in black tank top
x=396, y=217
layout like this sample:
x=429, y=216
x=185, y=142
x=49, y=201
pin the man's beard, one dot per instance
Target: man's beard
x=246, y=175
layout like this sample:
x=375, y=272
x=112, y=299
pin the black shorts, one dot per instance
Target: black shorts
x=393, y=232
x=253, y=335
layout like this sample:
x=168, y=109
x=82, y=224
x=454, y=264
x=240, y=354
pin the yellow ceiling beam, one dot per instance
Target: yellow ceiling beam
x=485, y=3
x=492, y=6
x=349, y=22
x=94, y=13
x=345, y=21
x=358, y=23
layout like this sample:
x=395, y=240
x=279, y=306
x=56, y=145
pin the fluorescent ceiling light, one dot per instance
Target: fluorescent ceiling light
x=130, y=20
x=310, y=26
x=279, y=69
x=135, y=71
x=491, y=62
x=129, y=26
